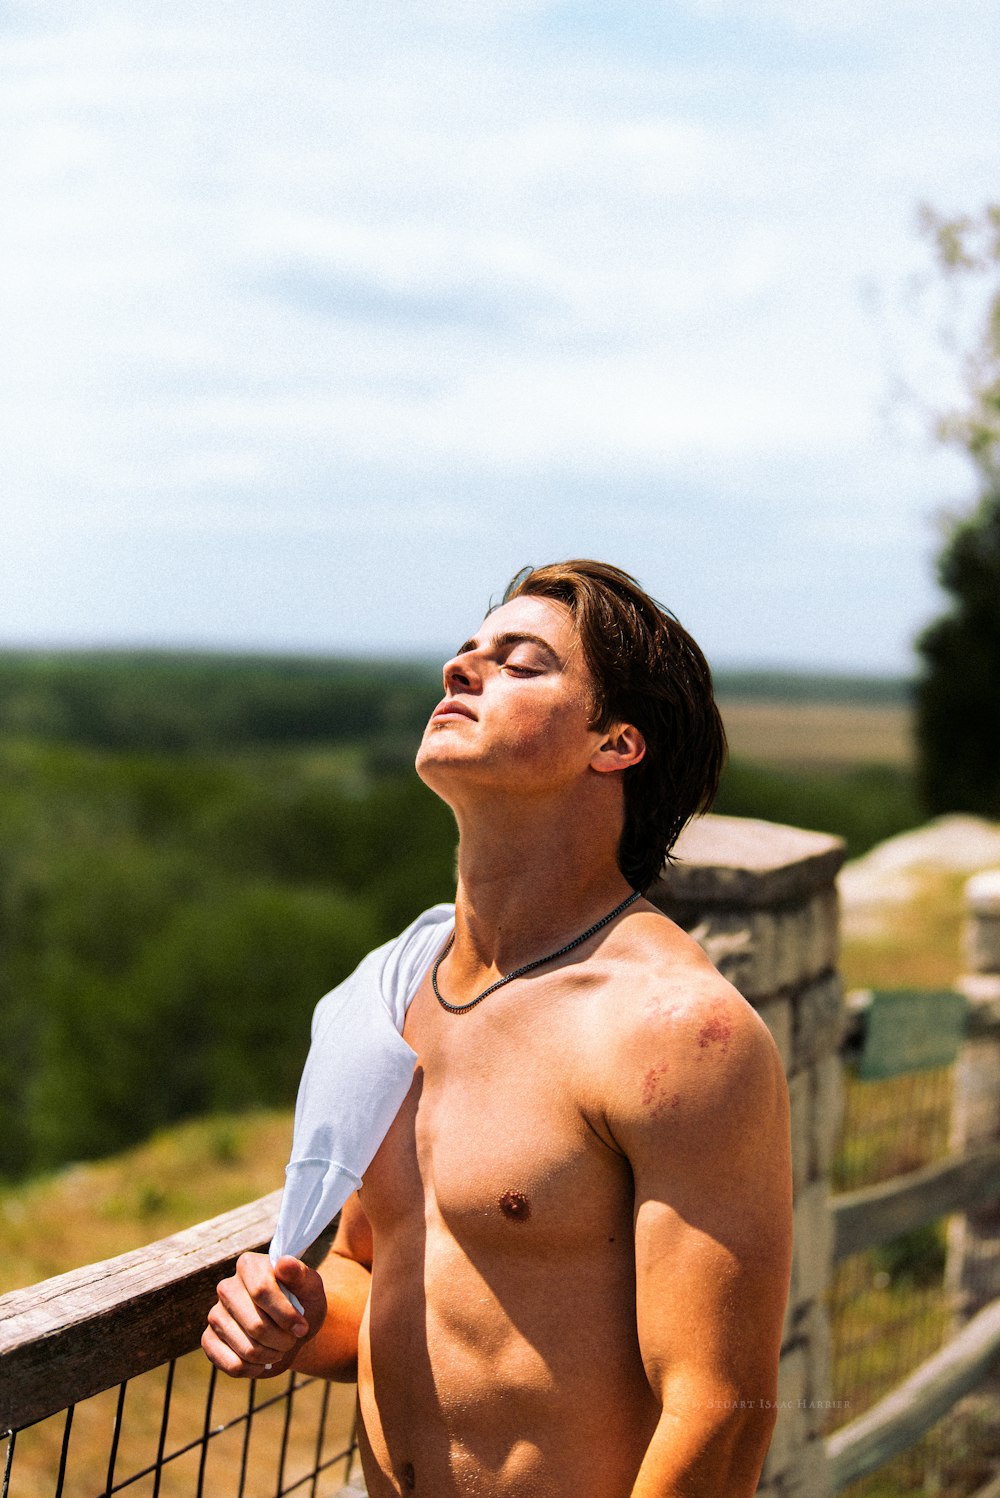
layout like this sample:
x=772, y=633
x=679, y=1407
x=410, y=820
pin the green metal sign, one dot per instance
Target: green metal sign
x=911, y=1029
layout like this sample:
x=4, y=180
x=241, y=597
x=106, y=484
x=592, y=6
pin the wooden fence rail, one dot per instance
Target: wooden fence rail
x=73, y=1336
x=78, y=1335
x=906, y=1413
x=877, y=1214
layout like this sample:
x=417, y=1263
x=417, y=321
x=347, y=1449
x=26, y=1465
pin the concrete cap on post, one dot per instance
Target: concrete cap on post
x=738, y=861
x=982, y=893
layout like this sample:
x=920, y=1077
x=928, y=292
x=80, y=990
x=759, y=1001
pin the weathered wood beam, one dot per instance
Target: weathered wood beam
x=899, y=1420
x=72, y=1336
x=877, y=1214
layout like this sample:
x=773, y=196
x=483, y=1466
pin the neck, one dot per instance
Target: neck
x=530, y=878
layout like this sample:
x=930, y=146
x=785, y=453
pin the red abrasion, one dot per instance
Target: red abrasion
x=515, y=1205
x=654, y=1094
x=719, y=1028
x=651, y=1085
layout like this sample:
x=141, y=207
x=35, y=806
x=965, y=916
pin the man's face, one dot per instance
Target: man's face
x=517, y=706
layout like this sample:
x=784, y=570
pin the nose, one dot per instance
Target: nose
x=460, y=673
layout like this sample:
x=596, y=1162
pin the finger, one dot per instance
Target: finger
x=247, y=1348
x=255, y=1273
x=226, y=1360
x=245, y=1312
x=305, y=1283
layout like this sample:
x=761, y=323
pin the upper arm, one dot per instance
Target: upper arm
x=701, y=1112
x=353, y=1238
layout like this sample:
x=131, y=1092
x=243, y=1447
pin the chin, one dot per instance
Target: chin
x=437, y=765
x=429, y=762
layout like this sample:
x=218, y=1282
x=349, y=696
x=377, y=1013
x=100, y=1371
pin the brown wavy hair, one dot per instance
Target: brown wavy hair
x=646, y=670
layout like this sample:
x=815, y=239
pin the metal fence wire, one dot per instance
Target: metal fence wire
x=891, y=1307
x=182, y=1432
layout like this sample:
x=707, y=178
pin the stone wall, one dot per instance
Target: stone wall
x=761, y=900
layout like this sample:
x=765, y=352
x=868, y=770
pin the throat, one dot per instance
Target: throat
x=526, y=967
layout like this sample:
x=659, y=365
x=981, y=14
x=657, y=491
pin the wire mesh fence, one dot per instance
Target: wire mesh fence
x=893, y=1306
x=181, y=1431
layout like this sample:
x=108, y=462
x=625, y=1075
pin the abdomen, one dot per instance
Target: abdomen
x=502, y=1377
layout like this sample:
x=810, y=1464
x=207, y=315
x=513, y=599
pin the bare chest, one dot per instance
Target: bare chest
x=494, y=1143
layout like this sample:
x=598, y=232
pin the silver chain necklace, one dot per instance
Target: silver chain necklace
x=528, y=967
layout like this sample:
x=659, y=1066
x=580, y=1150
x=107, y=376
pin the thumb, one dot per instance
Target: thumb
x=306, y=1285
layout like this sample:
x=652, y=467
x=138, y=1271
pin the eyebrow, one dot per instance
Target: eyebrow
x=510, y=637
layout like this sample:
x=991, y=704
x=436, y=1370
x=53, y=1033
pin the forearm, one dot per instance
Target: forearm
x=333, y=1352
x=703, y=1458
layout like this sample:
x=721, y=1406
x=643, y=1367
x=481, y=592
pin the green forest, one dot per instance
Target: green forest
x=193, y=849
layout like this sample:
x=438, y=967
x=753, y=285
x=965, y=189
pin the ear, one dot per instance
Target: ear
x=622, y=746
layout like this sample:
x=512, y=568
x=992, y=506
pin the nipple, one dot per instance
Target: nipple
x=515, y=1206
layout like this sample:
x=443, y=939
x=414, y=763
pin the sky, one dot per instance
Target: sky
x=318, y=321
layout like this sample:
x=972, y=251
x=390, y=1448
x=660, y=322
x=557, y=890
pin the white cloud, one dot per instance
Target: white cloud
x=255, y=251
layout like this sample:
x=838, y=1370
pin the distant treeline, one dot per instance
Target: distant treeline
x=193, y=849
x=863, y=804
x=184, y=701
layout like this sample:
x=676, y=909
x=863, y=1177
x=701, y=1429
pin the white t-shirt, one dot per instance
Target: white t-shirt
x=358, y=1071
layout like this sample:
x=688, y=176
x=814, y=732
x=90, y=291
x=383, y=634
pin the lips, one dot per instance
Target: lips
x=452, y=708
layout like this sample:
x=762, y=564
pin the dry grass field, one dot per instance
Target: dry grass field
x=918, y=944
x=815, y=735
x=93, y=1211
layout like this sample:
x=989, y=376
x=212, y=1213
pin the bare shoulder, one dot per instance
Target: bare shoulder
x=683, y=1050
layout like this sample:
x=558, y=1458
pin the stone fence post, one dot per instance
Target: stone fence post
x=762, y=901
x=973, y=1273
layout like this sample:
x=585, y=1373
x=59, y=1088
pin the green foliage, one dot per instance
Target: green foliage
x=152, y=701
x=863, y=805
x=958, y=696
x=213, y=1016
x=169, y=921
x=969, y=248
x=300, y=830
x=915, y=1259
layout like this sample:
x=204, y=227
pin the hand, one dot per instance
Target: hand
x=253, y=1329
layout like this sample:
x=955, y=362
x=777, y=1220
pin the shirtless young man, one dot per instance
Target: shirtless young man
x=565, y=1273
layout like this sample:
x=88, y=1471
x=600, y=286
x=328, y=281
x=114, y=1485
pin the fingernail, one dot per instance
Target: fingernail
x=301, y=1329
